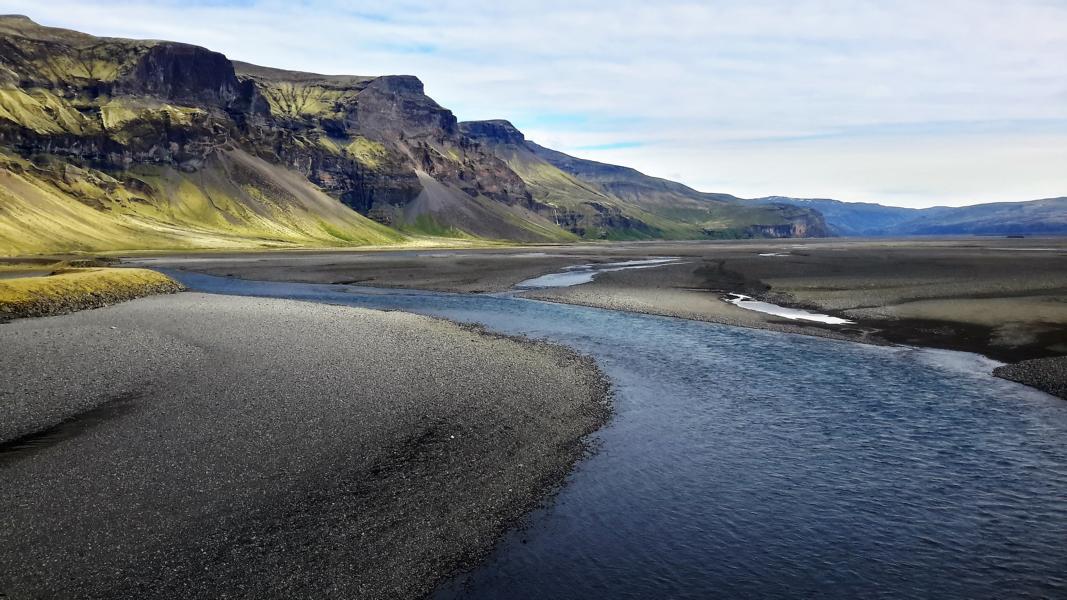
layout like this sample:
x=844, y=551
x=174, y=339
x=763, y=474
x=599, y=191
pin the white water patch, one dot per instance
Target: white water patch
x=580, y=274
x=774, y=254
x=953, y=361
x=748, y=303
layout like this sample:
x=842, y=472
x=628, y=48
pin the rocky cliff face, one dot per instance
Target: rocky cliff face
x=786, y=230
x=366, y=140
x=186, y=74
x=126, y=114
x=496, y=131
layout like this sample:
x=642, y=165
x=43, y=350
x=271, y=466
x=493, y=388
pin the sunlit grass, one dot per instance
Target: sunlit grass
x=69, y=289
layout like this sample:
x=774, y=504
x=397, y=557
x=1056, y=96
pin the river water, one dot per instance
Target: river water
x=579, y=274
x=754, y=464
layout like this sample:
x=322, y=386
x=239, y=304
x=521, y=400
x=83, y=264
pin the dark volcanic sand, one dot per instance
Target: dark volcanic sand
x=198, y=446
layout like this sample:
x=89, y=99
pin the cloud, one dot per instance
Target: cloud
x=953, y=101
x=612, y=146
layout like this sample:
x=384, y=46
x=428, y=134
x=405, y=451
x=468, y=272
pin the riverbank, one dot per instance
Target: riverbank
x=218, y=445
x=1002, y=298
x=44, y=288
x=1046, y=374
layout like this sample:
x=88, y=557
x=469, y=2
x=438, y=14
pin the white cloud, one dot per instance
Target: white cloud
x=909, y=102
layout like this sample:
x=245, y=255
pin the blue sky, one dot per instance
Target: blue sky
x=908, y=102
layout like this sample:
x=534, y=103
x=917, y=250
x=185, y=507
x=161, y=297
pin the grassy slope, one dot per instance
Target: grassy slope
x=74, y=289
x=236, y=201
x=443, y=210
x=557, y=188
x=50, y=205
x=568, y=193
x=678, y=210
x=671, y=210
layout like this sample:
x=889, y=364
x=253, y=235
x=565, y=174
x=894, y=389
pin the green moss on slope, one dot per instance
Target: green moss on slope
x=366, y=151
x=236, y=201
x=68, y=290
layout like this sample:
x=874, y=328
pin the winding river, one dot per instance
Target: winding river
x=754, y=464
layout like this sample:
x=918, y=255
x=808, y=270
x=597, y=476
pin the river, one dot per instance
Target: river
x=748, y=463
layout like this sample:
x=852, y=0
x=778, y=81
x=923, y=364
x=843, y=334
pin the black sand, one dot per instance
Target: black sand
x=195, y=446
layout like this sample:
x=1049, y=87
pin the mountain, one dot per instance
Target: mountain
x=599, y=200
x=1036, y=217
x=110, y=144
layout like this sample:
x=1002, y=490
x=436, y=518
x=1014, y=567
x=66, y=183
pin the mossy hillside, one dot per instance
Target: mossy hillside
x=426, y=224
x=583, y=206
x=61, y=57
x=552, y=185
x=535, y=225
x=308, y=100
x=67, y=290
x=127, y=119
x=367, y=152
x=318, y=105
x=304, y=96
x=237, y=201
x=103, y=63
x=44, y=112
x=299, y=101
x=565, y=193
x=130, y=122
x=680, y=211
x=66, y=67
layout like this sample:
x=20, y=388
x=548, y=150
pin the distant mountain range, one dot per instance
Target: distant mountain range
x=117, y=144
x=1036, y=217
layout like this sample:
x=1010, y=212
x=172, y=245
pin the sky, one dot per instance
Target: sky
x=907, y=103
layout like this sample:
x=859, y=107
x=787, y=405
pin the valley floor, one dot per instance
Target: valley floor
x=1004, y=298
x=1001, y=297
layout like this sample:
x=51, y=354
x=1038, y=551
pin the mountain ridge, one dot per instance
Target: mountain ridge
x=612, y=196
x=171, y=145
x=1046, y=216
